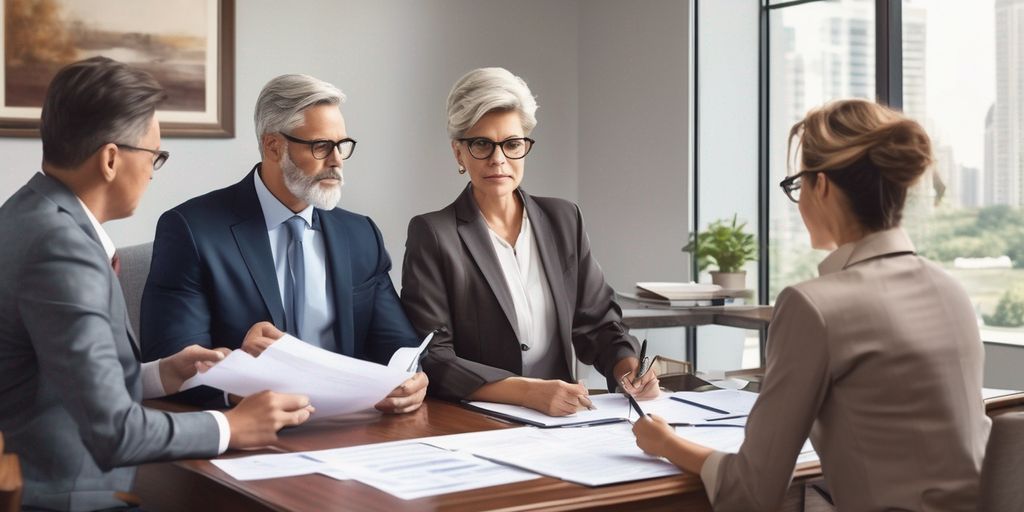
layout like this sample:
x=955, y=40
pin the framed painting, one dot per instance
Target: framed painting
x=188, y=45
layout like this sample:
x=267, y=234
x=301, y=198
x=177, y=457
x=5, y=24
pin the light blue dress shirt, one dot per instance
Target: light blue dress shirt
x=319, y=314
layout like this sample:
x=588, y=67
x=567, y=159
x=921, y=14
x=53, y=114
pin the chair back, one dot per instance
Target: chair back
x=1001, y=488
x=10, y=480
x=135, y=260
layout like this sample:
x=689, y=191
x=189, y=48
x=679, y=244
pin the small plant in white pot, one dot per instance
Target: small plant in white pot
x=726, y=246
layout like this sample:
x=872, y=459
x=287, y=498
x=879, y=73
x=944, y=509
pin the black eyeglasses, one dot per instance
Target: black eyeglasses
x=482, y=148
x=322, y=148
x=791, y=185
x=159, y=157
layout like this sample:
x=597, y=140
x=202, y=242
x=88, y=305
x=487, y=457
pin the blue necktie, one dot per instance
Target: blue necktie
x=295, y=279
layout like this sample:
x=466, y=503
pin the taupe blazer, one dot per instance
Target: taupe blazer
x=879, y=360
x=69, y=373
x=452, y=278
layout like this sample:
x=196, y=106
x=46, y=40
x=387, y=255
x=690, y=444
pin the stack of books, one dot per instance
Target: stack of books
x=683, y=295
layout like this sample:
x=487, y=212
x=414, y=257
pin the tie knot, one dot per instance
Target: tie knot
x=296, y=225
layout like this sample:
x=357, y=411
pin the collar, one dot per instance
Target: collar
x=105, y=241
x=888, y=242
x=274, y=212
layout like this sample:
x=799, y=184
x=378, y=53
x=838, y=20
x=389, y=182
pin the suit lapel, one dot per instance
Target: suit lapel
x=339, y=272
x=254, y=245
x=544, y=233
x=472, y=230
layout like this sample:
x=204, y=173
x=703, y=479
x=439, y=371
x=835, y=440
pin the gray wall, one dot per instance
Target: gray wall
x=396, y=61
x=634, y=137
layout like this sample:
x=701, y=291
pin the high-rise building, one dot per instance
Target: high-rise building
x=1008, y=122
x=989, y=171
x=970, y=187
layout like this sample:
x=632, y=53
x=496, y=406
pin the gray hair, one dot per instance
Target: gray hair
x=485, y=89
x=283, y=100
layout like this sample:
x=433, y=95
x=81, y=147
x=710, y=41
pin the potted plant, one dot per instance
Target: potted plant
x=726, y=246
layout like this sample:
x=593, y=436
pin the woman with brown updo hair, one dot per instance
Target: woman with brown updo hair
x=878, y=360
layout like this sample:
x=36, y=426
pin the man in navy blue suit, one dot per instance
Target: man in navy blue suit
x=274, y=250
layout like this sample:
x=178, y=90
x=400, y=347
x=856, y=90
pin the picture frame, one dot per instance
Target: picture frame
x=188, y=46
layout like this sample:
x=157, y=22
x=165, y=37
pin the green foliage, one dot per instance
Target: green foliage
x=1009, y=311
x=724, y=245
x=992, y=231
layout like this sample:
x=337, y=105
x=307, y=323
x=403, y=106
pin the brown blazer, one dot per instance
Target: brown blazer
x=879, y=360
x=452, y=278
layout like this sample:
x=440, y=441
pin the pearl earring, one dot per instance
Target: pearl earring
x=462, y=170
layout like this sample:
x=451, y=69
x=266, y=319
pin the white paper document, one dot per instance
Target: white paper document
x=276, y=465
x=411, y=470
x=408, y=358
x=721, y=401
x=335, y=384
x=729, y=440
x=609, y=408
x=990, y=393
x=592, y=456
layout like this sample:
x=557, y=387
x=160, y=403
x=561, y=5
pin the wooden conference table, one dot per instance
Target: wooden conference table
x=199, y=485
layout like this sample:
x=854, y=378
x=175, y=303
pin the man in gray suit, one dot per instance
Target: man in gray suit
x=70, y=381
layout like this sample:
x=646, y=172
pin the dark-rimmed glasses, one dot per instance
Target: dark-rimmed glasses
x=159, y=157
x=322, y=148
x=482, y=148
x=791, y=185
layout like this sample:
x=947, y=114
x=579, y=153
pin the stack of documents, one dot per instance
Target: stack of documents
x=679, y=408
x=335, y=384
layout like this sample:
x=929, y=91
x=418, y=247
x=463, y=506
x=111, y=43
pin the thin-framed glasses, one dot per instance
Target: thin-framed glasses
x=482, y=148
x=159, y=156
x=322, y=148
x=791, y=185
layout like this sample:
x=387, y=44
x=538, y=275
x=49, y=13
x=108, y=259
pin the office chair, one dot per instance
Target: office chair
x=135, y=260
x=1001, y=489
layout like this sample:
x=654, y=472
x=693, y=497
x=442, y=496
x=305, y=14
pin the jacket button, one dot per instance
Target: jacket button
x=524, y=347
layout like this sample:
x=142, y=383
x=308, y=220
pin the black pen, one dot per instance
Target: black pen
x=636, y=406
x=640, y=370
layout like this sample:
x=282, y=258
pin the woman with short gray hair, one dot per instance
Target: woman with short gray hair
x=510, y=275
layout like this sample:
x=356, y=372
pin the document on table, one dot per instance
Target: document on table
x=410, y=470
x=592, y=456
x=335, y=384
x=990, y=393
x=728, y=440
x=721, y=401
x=609, y=408
x=275, y=465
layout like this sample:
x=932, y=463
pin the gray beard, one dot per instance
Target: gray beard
x=308, y=188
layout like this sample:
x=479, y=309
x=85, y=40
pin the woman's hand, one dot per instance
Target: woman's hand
x=556, y=397
x=176, y=369
x=646, y=388
x=653, y=435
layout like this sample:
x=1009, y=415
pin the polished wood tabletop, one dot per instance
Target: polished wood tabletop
x=199, y=485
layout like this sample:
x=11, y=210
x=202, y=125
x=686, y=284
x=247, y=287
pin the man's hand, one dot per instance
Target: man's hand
x=556, y=397
x=260, y=336
x=176, y=369
x=646, y=388
x=405, y=398
x=257, y=418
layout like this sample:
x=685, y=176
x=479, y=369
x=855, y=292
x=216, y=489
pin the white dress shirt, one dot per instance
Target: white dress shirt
x=152, y=385
x=534, y=305
x=318, y=323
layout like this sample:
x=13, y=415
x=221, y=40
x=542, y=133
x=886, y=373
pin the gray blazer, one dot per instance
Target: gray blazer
x=69, y=377
x=879, y=360
x=452, y=278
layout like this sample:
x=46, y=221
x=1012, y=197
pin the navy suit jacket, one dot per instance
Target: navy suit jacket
x=212, y=277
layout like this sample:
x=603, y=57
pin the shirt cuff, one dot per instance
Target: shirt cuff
x=152, y=385
x=709, y=474
x=225, y=431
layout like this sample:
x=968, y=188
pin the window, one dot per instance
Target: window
x=818, y=52
x=969, y=217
